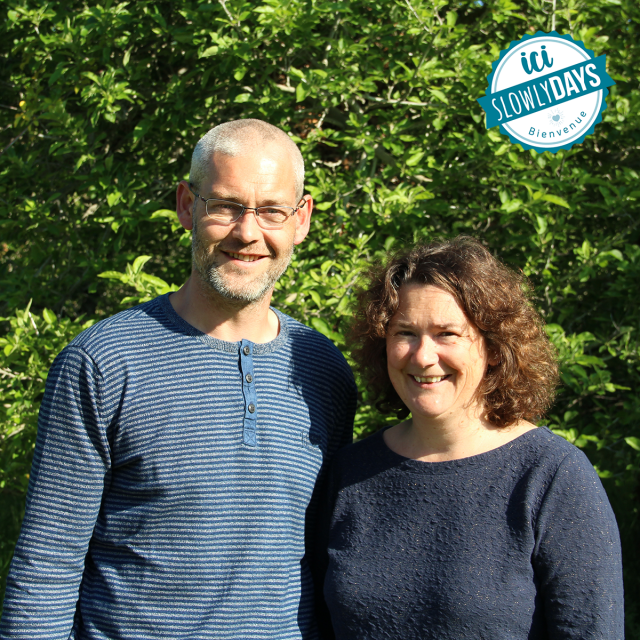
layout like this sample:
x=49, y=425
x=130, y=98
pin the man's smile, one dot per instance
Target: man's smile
x=245, y=257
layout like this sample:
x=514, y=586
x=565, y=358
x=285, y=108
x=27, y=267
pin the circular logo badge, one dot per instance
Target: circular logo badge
x=546, y=92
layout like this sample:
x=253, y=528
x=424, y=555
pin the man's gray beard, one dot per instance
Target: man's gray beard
x=247, y=292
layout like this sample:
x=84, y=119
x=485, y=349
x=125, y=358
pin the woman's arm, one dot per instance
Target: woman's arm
x=577, y=558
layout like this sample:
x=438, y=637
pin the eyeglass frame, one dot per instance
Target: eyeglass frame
x=244, y=209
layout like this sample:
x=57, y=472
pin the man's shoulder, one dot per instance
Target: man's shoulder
x=305, y=338
x=124, y=329
x=315, y=359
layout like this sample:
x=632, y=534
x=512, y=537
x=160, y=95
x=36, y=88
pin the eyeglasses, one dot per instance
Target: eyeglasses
x=224, y=212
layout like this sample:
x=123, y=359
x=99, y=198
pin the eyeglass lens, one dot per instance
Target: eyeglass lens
x=229, y=212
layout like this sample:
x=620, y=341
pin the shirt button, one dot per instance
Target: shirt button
x=252, y=408
x=248, y=377
x=246, y=351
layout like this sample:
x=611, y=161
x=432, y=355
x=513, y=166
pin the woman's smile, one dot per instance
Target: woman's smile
x=436, y=358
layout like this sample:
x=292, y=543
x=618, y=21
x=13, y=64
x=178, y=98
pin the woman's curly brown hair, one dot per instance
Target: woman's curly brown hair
x=493, y=297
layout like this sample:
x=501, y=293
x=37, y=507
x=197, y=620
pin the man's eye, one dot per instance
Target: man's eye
x=222, y=208
x=279, y=214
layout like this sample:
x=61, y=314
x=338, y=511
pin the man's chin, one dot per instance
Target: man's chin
x=237, y=290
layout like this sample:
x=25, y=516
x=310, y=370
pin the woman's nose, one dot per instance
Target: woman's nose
x=425, y=353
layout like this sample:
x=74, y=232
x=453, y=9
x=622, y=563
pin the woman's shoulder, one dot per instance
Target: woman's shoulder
x=361, y=459
x=361, y=449
x=543, y=459
x=542, y=444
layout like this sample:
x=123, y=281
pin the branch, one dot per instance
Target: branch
x=424, y=26
x=224, y=6
x=14, y=140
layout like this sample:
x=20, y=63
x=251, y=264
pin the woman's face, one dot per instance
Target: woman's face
x=436, y=358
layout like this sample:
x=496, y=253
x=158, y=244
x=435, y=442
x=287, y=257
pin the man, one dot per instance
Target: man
x=179, y=442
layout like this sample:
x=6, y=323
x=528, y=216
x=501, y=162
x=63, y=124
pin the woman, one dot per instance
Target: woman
x=465, y=521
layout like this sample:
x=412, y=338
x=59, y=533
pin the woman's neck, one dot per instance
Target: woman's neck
x=433, y=441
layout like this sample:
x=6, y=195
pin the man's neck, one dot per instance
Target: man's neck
x=223, y=319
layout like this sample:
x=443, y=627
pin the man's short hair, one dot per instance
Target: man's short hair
x=237, y=137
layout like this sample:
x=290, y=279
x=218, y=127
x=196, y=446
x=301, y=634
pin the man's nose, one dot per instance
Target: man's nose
x=246, y=228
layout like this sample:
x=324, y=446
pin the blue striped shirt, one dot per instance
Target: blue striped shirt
x=172, y=477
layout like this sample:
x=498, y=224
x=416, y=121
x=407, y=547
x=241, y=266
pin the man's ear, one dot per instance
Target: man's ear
x=184, y=205
x=303, y=219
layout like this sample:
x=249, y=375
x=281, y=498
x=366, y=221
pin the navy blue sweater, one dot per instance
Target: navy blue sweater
x=516, y=543
x=171, y=481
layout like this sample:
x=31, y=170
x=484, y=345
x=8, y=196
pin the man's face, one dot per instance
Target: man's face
x=242, y=261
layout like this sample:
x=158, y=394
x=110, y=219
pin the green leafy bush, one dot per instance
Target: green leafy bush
x=102, y=104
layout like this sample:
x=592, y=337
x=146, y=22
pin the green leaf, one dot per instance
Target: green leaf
x=158, y=283
x=415, y=158
x=633, y=442
x=141, y=128
x=513, y=205
x=139, y=263
x=302, y=91
x=541, y=225
x=440, y=95
x=59, y=70
x=92, y=76
x=113, y=198
x=209, y=51
x=315, y=296
x=113, y=275
x=556, y=200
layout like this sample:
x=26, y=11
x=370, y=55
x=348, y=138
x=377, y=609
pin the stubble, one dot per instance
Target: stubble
x=228, y=282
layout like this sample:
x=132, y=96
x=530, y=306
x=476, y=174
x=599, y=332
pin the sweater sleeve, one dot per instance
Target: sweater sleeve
x=577, y=557
x=345, y=399
x=345, y=413
x=70, y=466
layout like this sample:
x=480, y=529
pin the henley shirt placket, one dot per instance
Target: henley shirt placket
x=249, y=392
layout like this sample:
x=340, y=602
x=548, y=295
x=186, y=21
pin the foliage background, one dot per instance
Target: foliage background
x=100, y=107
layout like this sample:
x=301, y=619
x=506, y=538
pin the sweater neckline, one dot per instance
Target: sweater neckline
x=478, y=460
x=259, y=348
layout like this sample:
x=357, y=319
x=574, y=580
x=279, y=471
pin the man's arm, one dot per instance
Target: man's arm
x=345, y=399
x=70, y=466
x=346, y=405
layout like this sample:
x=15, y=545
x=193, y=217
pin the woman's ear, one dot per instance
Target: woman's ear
x=493, y=358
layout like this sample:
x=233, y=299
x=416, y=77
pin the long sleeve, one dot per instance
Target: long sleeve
x=577, y=559
x=345, y=403
x=148, y=514
x=70, y=466
x=344, y=413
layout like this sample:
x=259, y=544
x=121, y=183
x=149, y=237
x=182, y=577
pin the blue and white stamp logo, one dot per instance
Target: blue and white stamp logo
x=546, y=92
